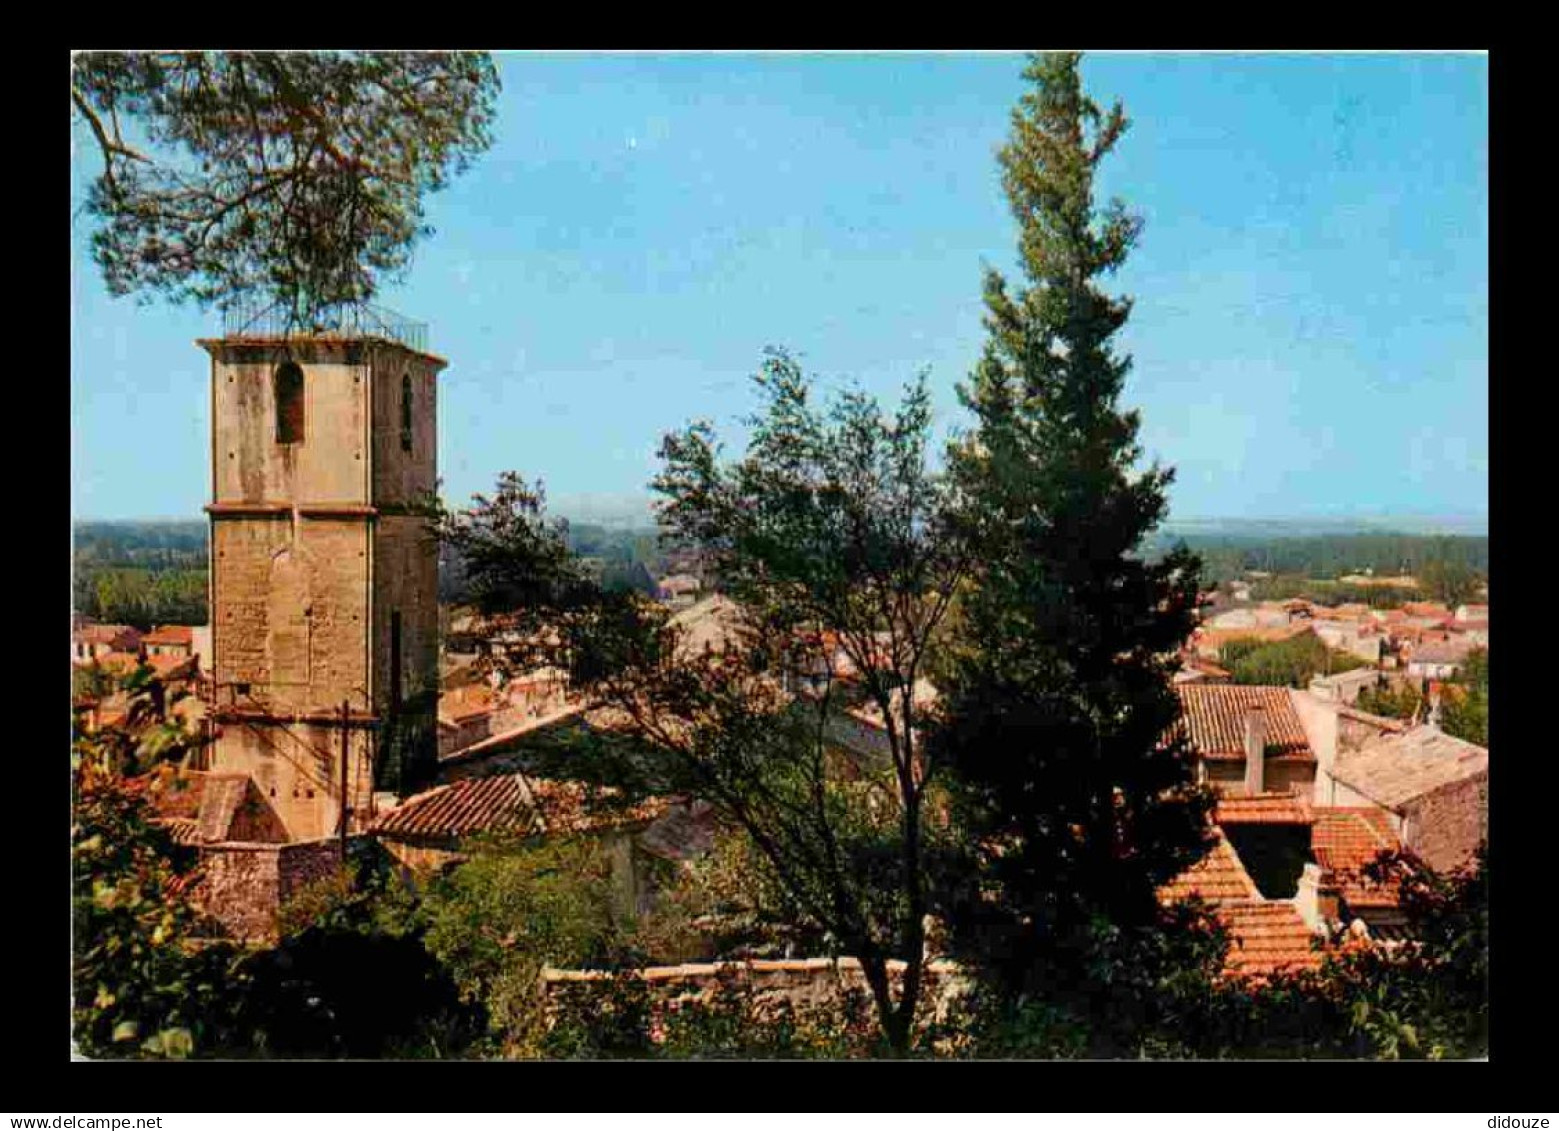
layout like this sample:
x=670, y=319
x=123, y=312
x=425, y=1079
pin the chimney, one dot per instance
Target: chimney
x=1255, y=749
x=1307, y=899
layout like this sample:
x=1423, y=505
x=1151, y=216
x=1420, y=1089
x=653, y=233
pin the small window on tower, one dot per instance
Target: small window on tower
x=289, y=403
x=406, y=412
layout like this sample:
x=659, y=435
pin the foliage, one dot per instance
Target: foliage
x=175, y=544
x=141, y=598
x=624, y=1016
x=1283, y=587
x=1464, y=708
x=1072, y=810
x=352, y=977
x=725, y=904
x=1289, y=663
x=142, y=988
x=1330, y=556
x=1400, y=700
x=1451, y=582
x=297, y=174
x=512, y=908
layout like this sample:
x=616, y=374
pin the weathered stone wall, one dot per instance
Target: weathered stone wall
x=1354, y=729
x=296, y=768
x=244, y=886
x=400, y=476
x=330, y=465
x=803, y=982
x=1445, y=826
x=291, y=609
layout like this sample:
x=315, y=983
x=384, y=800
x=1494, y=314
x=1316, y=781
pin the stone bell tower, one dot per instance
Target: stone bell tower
x=324, y=571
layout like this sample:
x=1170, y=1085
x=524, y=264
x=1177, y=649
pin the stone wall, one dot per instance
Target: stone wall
x=243, y=886
x=291, y=609
x=400, y=476
x=330, y=465
x=296, y=768
x=1446, y=825
x=803, y=981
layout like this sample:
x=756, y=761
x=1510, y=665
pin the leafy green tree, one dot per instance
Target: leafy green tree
x=298, y=175
x=1449, y=581
x=144, y=983
x=1464, y=710
x=1289, y=663
x=828, y=538
x=1075, y=809
x=142, y=987
x=1393, y=701
x=513, y=907
x=352, y=976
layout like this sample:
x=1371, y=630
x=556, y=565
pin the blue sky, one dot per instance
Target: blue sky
x=1311, y=321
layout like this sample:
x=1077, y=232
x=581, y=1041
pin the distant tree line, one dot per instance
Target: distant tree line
x=615, y=557
x=140, y=573
x=1283, y=587
x=1331, y=556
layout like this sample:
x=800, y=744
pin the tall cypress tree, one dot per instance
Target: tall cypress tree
x=1060, y=695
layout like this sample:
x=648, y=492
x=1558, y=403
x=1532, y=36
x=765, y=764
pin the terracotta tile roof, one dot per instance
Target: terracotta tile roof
x=1213, y=717
x=1443, y=652
x=1343, y=841
x=512, y=801
x=184, y=830
x=167, y=667
x=115, y=635
x=1216, y=877
x=198, y=806
x=171, y=634
x=1264, y=809
x=1218, y=637
x=1267, y=936
x=715, y=623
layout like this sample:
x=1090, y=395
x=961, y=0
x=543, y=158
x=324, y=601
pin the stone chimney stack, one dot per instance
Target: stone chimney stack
x=1255, y=749
x=1307, y=899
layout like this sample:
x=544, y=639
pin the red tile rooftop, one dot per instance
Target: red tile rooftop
x=1216, y=877
x=509, y=802
x=1343, y=841
x=171, y=634
x=1267, y=937
x=1214, y=719
x=1264, y=809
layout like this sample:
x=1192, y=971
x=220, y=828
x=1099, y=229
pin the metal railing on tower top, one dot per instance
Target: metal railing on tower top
x=259, y=319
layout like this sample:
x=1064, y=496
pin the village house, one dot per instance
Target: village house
x=1344, y=841
x=680, y=590
x=1208, y=642
x=1344, y=687
x=1439, y=659
x=1266, y=935
x=1246, y=739
x=1432, y=787
x=95, y=641
x=170, y=640
x=432, y=830
x=1361, y=639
